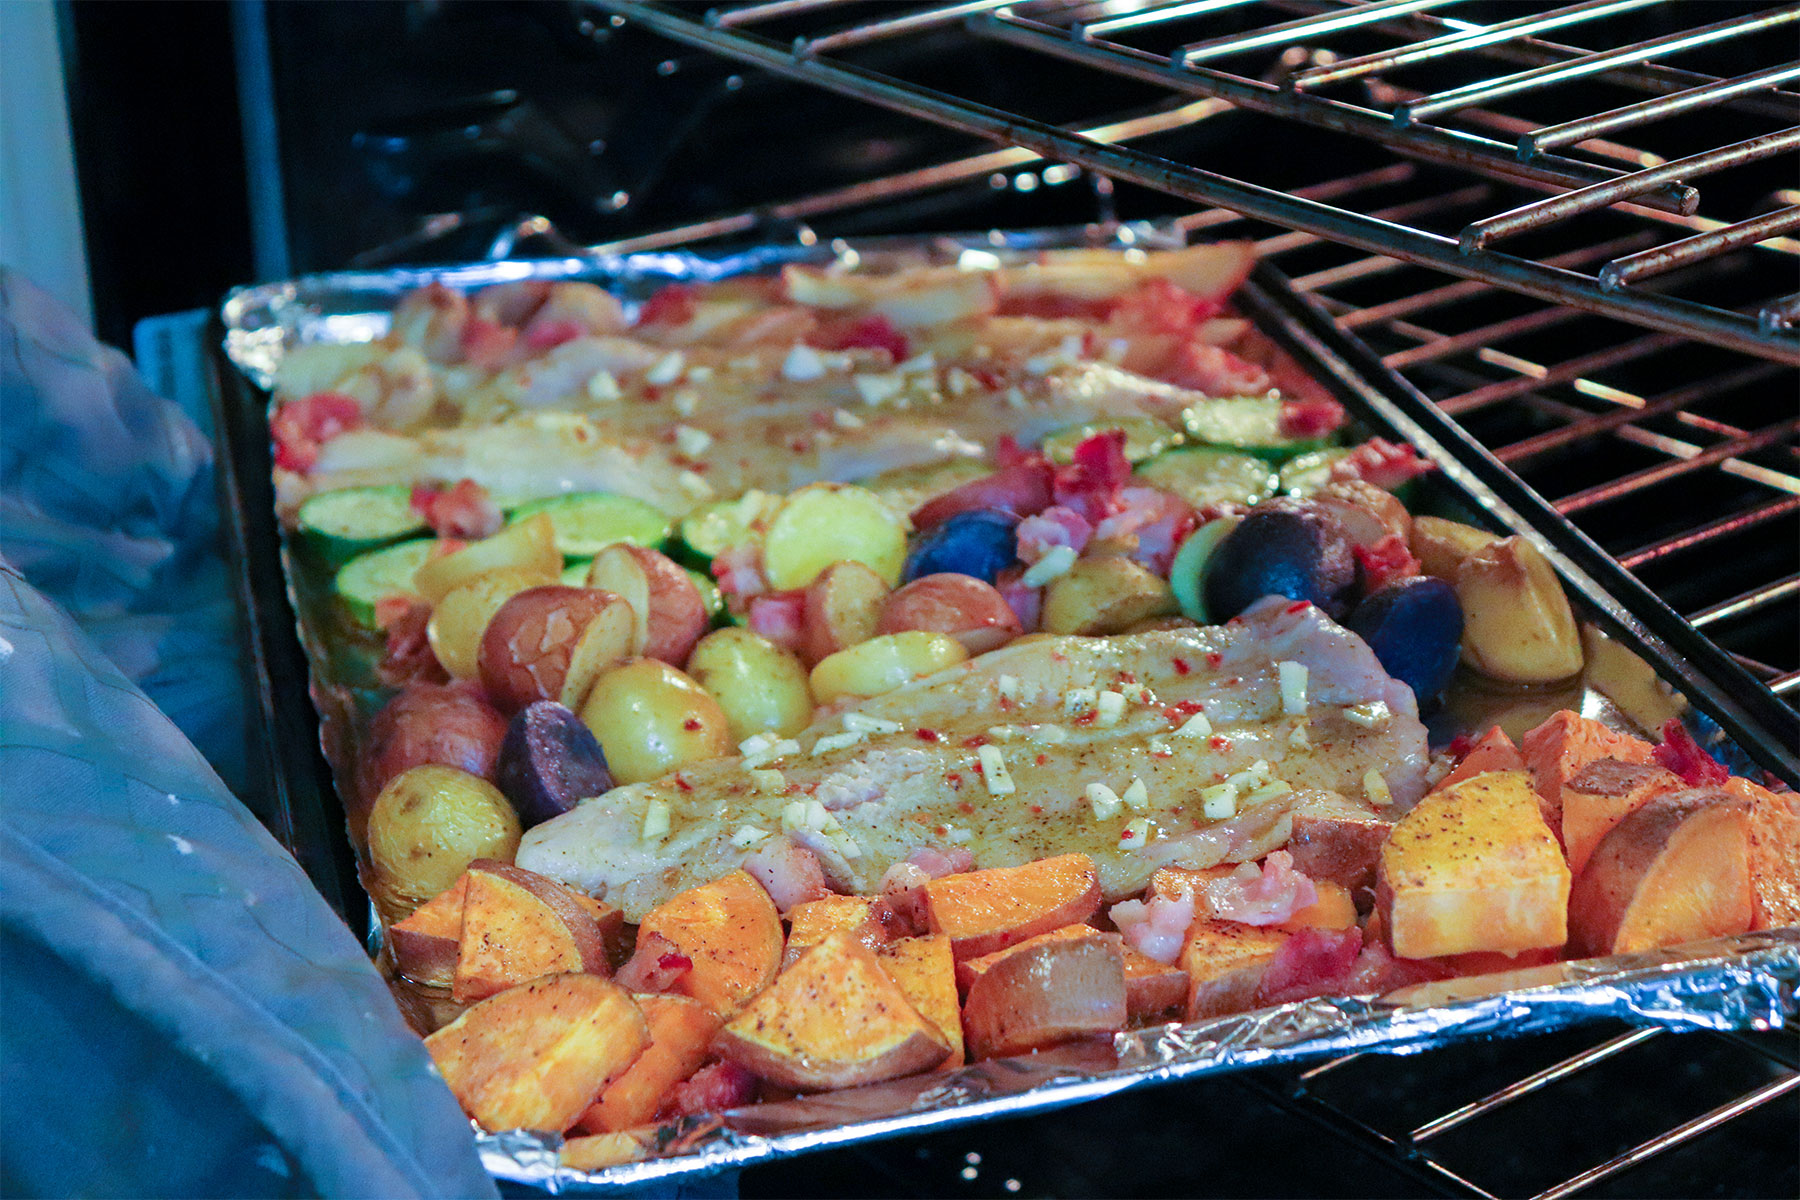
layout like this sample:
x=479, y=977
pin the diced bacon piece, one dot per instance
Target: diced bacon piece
x=407, y=656
x=300, y=427
x=1021, y=488
x=655, y=966
x=721, y=1086
x=1385, y=561
x=463, y=511
x=1313, y=962
x=548, y=335
x=791, y=874
x=1056, y=526
x=1215, y=371
x=874, y=332
x=780, y=617
x=903, y=885
x=1091, y=483
x=938, y=863
x=1270, y=897
x=1158, y=306
x=1681, y=754
x=1155, y=929
x=738, y=572
x=1159, y=521
x=1312, y=417
x=671, y=304
x=488, y=344
x=1377, y=970
x=1385, y=464
x=1027, y=602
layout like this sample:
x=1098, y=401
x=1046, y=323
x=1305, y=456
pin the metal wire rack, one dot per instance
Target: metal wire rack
x=1297, y=68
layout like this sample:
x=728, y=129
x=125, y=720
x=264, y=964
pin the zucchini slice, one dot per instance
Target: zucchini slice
x=1205, y=476
x=712, y=527
x=1144, y=438
x=341, y=524
x=369, y=578
x=1248, y=423
x=586, y=523
x=1187, y=574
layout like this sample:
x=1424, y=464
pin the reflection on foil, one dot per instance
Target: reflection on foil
x=1747, y=982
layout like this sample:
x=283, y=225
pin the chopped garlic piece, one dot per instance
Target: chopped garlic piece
x=793, y=817
x=1298, y=739
x=685, y=400
x=1254, y=775
x=1079, y=700
x=602, y=385
x=857, y=722
x=959, y=381
x=1055, y=563
x=1047, y=735
x=1110, y=706
x=802, y=363
x=769, y=783
x=1015, y=398
x=756, y=743
x=876, y=389
x=1137, y=796
x=1376, y=788
x=1136, y=835
x=695, y=485
x=993, y=771
x=843, y=418
x=700, y=374
x=1003, y=733
x=656, y=820
x=1195, y=726
x=667, y=369
x=918, y=364
x=1373, y=715
x=1104, y=799
x=1137, y=693
x=1008, y=686
x=692, y=442
x=837, y=741
x=957, y=837
x=1161, y=749
x=847, y=846
x=817, y=818
x=1293, y=688
x=747, y=836
x=1267, y=791
x=770, y=752
x=1219, y=802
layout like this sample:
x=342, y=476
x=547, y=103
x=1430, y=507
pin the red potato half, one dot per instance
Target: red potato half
x=530, y=643
x=671, y=614
x=449, y=724
x=1044, y=992
x=964, y=607
x=843, y=606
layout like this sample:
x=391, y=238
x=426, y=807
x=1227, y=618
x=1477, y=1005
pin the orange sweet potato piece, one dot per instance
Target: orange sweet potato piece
x=1471, y=868
x=869, y=919
x=731, y=931
x=1557, y=751
x=1225, y=961
x=518, y=925
x=535, y=1056
x=612, y=926
x=1152, y=988
x=834, y=1019
x=1676, y=870
x=926, y=972
x=1601, y=795
x=425, y=944
x=1494, y=751
x=970, y=968
x=1774, y=854
x=599, y=1151
x=1334, y=909
x=1045, y=991
x=985, y=911
x=681, y=1034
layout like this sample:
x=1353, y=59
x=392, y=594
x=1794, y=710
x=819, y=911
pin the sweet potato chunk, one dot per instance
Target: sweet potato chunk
x=926, y=972
x=1774, y=854
x=425, y=944
x=731, y=931
x=1601, y=795
x=681, y=1033
x=1225, y=961
x=518, y=925
x=1676, y=870
x=535, y=1056
x=970, y=968
x=602, y=1150
x=834, y=1019
x=1494, y=751
x=1152, y=988
x=869, y=919
x=1334, y=909
x=1474, y=868
x=985, y=911
x=612, y=926
x=1046, y=991
x=1557, y=751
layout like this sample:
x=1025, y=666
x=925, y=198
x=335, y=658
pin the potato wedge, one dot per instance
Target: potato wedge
x=868, y=919
x=518, y=925
x=926, y=972
x=1225, y=961
x=529, y=545
x=985, y=911
x=1517, y=623
x=1474, y=868
x=1561, y=747
x=1675, y=870
x=1046, y=991
x=1774, y=854
x=731, y=931
x=1441, y=545
x=1104, y=594
x=970, y=969
x=535, y=1056
x=681, y=1034
x=1604, y=793
x=1493, y=751
x=425, y=945
x=834, y=1019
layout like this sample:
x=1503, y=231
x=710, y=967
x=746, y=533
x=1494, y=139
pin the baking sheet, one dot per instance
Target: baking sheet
x=1748, y=982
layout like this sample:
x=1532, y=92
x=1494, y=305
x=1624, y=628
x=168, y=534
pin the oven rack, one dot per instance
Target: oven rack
x=1129, y=39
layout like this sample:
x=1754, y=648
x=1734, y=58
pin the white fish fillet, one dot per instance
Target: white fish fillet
x=896, y=792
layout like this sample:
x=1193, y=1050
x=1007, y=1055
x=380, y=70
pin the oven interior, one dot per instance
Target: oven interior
x=1624, y=358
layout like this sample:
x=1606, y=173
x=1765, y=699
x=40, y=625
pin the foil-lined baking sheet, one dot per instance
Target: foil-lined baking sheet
x=1749, y=982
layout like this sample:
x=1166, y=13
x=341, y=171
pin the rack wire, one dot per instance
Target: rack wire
x=1185, y=46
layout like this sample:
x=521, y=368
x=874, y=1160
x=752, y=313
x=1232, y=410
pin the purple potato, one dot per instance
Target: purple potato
x=1282, y=547
x=549, y=761
x=1415, y=628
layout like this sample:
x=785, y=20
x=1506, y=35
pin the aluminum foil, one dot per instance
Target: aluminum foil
x=1748, y=982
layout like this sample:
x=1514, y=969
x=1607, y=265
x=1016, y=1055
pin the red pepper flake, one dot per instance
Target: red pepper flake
x=682, y=783
x=1220, y=742
x=1177, y=714
x=821, y=419
x=1037, y=809
x=926, y=735
x=977, y=740
x=975, y=766
x=1041, y=759
x=1459, y=746
x=1181, y=666
x=1164, y=752
x=653, y=392
x=675, y=962
x=953, y=779
x=1127, y=835
x=800, y=445
x=1127, y=677
x=965, y=808
x=1058, y=656
x=691, y=724
x=1086, y=718
x=1214, y=658
x=1298, y=606
x=942, y=831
